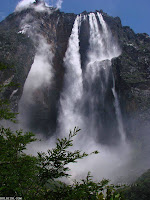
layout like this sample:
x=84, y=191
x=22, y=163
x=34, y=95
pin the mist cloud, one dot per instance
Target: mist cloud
x=42, y=7
x=59, y=4
x=41, y=70
x=24, y=4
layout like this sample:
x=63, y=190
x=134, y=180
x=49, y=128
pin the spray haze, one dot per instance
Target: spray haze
x=41, y=72
x=39, y=78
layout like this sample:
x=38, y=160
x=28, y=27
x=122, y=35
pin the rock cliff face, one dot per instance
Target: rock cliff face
x=131, y=68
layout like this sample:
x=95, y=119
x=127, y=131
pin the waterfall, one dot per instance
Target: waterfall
x=96, y=76
x=70, y=99
x=102, y=49
x=111, y=48
x=83, y=99
x=118, y=115
x=113, y=51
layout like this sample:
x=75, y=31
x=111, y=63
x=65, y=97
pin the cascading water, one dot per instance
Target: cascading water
x=97, y=75
x=119, y=115
x=113, y=51
x=70, y=115
x=82, y=101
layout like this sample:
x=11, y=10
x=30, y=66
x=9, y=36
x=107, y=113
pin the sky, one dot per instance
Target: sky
x=133, y=13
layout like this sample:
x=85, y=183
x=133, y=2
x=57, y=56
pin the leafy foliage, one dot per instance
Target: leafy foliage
x=5, y=112
x=53, y=164
x=17, y=170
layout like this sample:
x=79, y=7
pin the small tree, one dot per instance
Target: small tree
x=17, y=170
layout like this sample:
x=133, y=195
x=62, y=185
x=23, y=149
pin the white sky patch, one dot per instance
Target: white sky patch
x=59, y=4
